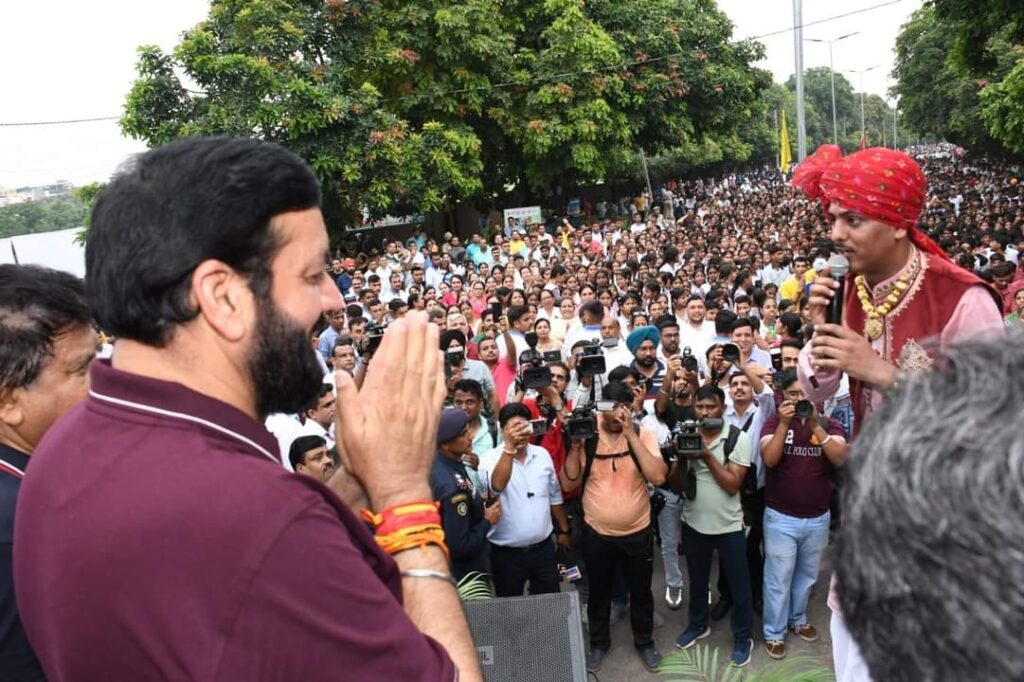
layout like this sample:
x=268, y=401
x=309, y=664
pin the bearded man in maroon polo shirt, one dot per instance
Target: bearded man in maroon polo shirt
x=159, y=535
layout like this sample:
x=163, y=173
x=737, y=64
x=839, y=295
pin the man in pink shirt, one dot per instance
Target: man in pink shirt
x=904, y=300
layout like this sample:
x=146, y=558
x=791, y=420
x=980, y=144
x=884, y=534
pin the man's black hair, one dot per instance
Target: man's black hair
x=710, y=391
x=373, y=279
x=37, y=305
x=353, y=311
x=621, y=372
x=617, y=391
x=594, y=310
x=469, y=386
x=300, y=446
x=723, y=322
x=516, y=312
x=321, y=392
x=511, y=410
x=740, y=323
x=665, y=322
x=193, y=200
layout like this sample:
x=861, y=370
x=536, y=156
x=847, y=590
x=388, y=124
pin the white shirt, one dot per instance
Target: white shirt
x=762, y=408
x=699, y=340
x=285, y=428
x=312, y=428
x=518, y=340
x=577, y=334
x=526, y=500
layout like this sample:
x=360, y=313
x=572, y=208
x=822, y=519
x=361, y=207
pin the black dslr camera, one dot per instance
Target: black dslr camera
x=372, y=337
x=689, y=360
x=535, y=374
x=803, y=409
x=591, y=361
x=730, y=352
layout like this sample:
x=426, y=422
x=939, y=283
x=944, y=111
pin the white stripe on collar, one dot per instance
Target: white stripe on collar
x=186, y=417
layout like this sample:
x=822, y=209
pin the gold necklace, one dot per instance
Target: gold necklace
x=873, y=325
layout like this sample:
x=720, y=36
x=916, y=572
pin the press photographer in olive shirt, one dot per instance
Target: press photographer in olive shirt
x=159, y=535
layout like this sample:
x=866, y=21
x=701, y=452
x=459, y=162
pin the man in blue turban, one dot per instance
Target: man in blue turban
x=643, y=342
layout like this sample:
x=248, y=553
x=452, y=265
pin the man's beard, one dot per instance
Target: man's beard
x=645, y=362
x=282, y=364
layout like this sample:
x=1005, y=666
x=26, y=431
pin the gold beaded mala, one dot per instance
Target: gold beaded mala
x=874, y=324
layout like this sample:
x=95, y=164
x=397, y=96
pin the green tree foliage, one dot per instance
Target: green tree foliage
x=42, y=216
x=960, y=73
x=417, y=104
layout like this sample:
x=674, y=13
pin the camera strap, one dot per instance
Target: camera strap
x=590, y=450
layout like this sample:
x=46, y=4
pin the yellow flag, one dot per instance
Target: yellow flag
x=785, y=156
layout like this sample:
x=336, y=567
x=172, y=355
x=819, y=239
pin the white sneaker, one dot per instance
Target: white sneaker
x=674, y=597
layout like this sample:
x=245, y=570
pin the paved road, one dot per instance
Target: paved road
x=623, y=665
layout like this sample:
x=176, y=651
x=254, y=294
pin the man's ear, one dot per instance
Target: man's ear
x=900, y=233
x=224, y=299
x=11, y=410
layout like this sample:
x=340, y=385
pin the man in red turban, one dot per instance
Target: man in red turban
x=904, y=299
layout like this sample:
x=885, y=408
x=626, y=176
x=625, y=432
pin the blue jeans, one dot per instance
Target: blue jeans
x=670, y=524
x=792, y=558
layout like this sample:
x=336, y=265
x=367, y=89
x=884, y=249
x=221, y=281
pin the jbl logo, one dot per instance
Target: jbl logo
x=485, y=654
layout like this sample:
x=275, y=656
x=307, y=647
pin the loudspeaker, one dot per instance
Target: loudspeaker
x=539, y=638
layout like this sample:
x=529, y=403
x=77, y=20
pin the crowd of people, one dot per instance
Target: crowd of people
x=698, y=305
x=550, y=406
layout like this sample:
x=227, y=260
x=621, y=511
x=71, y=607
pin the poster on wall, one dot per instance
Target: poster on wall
x=519, y=218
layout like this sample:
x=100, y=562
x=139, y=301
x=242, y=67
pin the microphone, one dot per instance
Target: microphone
x=838, y=266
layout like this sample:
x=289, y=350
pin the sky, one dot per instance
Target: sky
x=86, y=64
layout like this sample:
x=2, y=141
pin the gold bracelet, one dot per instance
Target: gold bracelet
x=424, y=573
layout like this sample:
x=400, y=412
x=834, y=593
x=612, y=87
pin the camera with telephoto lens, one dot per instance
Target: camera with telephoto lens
x=535, y=374
x=730, y=352
x=582, y=423
x=591, y=361
x=689, y=360
x=372, y=337
x=803, y=409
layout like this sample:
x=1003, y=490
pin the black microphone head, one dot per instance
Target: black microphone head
x=531, y=339
x=838, y=266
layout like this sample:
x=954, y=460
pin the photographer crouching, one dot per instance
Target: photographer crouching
x=612, y=468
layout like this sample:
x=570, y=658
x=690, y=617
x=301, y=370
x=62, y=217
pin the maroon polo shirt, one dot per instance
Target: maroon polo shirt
x=160, y=538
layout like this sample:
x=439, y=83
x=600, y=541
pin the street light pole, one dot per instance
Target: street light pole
x=798, y=48
x=863, y=130
x=832, y=75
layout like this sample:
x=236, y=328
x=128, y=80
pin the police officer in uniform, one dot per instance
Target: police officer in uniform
x=464, y=516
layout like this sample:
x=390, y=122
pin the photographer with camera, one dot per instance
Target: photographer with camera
x=800, y=450
x=453, y=344
x=612, y=469
x=643, y=344
x=531, y=499
x=716, y=458
x=753, y=402
x=673, y=405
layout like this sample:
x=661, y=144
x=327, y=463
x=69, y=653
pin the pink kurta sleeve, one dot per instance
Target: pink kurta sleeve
x=976, y=317
x=827, y=379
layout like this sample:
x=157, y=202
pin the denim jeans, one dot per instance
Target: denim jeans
x=670, y=524
x=792, y=549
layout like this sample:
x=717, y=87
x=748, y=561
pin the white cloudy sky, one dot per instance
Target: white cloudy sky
x=67, y=59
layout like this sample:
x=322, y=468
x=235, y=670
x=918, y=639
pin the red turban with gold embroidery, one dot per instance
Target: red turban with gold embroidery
x=882, y=184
